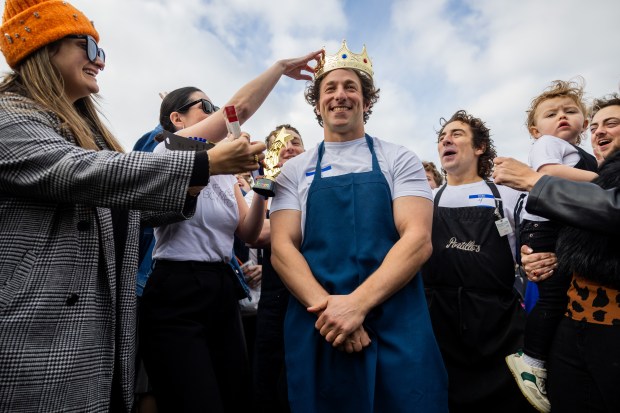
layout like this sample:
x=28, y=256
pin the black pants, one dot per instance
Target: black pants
x=551, y=305
x=192, y=339
x=269, y=371
x=269, y=376
x=584, y=368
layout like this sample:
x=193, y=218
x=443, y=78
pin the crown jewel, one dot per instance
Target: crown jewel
x=344, y=59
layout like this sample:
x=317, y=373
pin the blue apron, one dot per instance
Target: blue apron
x=348, y=232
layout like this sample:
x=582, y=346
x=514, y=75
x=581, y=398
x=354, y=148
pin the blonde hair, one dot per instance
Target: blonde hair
x=572, y=89
x=36, y=78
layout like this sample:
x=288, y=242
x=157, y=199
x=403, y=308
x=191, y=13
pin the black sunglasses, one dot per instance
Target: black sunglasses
x=92, y=50
x=207, y=107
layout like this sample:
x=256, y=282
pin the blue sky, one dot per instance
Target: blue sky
x=431, y=58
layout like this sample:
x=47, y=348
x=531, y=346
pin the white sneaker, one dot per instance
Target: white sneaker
x=531, y=381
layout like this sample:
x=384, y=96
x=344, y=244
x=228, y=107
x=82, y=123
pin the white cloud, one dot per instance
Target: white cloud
x=431, y=58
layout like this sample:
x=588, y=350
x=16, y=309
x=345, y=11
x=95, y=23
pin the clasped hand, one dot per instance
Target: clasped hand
x=538, y=266
x=340, y=322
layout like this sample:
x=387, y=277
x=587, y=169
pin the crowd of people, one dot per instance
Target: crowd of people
x=370, y=282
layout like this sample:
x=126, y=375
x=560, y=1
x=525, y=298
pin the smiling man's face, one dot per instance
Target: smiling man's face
x=605, y=129
x=341, y=104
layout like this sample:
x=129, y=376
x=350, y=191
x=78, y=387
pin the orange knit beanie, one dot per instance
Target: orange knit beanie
x=28, y=25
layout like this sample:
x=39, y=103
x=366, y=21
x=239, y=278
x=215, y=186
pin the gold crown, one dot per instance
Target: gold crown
x=344, y=59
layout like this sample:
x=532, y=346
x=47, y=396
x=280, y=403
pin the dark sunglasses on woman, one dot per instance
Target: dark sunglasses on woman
x=207, y=107
x=92, y=50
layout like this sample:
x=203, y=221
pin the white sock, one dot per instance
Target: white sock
x=534, y=362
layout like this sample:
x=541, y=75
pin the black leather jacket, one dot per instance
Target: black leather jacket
x=579, y=204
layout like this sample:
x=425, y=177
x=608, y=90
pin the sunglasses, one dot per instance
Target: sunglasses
x=92, y=50
x=207, y=107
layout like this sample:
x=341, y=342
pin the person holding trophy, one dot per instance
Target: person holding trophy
x=269, y=377
x=266, y=185
x=357, y=332
x=190, y=328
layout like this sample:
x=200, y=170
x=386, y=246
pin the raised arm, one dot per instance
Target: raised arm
x=252, y=95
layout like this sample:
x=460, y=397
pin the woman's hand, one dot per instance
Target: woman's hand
x=538, y=266
x=194, y=190
x=231, y=156
x=253, y=275
x=515, y=174
x=294, y=68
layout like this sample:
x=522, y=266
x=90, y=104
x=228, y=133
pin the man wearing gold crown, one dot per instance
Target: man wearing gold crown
x=351, y=227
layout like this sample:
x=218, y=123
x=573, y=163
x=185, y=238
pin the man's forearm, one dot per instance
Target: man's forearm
x=295, y=273
x=413, y=217
x=401, y=264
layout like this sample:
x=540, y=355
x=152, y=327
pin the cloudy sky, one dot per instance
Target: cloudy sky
x=431, y=58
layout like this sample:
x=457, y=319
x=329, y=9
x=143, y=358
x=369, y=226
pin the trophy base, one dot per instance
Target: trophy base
x=265, y=187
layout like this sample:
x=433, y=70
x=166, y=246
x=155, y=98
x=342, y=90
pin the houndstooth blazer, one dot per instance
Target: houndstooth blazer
x=67, y=319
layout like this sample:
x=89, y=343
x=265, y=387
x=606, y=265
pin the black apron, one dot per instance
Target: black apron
x=476, y=315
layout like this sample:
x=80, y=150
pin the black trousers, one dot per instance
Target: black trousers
x=192, y=339
x=551, y=305
x=269, y=372
x=584, y=368
x=269, y=376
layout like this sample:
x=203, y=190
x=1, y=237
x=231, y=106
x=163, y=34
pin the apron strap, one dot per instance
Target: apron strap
x=437, y=196
x=319, y=158
x=586, y=162
x=517, y=219
x=496, y=198
x=375, y=160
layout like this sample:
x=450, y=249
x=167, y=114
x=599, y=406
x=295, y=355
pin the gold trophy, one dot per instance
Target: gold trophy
x=265, y=186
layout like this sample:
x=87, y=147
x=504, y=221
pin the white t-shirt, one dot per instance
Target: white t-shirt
x=249, y=197
x=208, y=236
x=401, y=167
x=549, y=150
x=479, y=194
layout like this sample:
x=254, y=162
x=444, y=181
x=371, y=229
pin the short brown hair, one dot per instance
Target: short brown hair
x=572, y=89
x=369, y=92
x=481, y=139
x=275, y=131
x=600, y=103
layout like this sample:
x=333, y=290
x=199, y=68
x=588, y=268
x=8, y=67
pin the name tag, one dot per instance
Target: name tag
x=503, y=227
x=323, y=170
x=483, y=200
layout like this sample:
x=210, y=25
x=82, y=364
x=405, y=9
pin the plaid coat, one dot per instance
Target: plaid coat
x=67, y=318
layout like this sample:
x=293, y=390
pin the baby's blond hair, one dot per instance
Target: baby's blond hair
x=572, y=89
